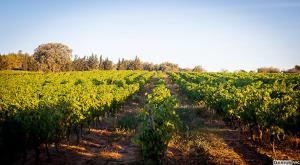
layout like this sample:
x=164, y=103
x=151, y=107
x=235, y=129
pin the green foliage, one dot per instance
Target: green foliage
x=160, y=122
x=135, y=64
x=128, y=121
x=47, y=105
x=266, y=101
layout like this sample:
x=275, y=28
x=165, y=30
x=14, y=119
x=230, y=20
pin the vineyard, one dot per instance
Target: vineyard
x=137, y=117
x=267, y=103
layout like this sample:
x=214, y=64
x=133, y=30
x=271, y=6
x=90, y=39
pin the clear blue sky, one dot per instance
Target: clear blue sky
x=217, y=34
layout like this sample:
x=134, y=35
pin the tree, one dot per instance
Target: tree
x=93, y=62
x=53, y=57
x=186, y=69
x=198, y=68
x=136, y=64
x=268, y=70
x=118, y=64
x=29, y=63
x=101, y=67
x=15, y=61
x=123, y=65
x=148, y=66
x=241, y=71
x=107, y=64
x=296, y=69
x=79, y=64
x=32, y=64
x=3, y=63
x=223, y=70
x=167, y=67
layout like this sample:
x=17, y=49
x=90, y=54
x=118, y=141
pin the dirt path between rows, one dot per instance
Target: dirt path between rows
x=206, y=139
x=104, y=144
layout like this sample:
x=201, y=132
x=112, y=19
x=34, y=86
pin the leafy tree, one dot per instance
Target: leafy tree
x=79, y=64
x=107, y=64
x=241, y=71
x=16, y=61
x=148, y=66
x=167, y=66
x=268, y=70
x=101, y=67
x=296, y=69
x=224, y=70
x=3, y=63
x=136, y=64
x=198, y=68
x=123, y=64
x=53, y=57
x=93, y=62
x=29, y=63
x=186, y=69
x=118, y=64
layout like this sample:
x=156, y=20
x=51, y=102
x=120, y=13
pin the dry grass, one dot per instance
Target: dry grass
x=78, y=150
x=123, y=132
x=102, y=132
x=110, y=155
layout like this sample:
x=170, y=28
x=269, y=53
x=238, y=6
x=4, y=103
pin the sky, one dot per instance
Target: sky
x=216, y=34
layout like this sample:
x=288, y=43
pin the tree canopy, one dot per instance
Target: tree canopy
x=198, y=68
x=53, y=57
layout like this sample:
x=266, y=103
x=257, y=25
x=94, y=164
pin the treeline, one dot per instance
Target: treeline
x=18, y=61
x=57, y=57
x=296, y=69
x=94, y=62
x=26, y=62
